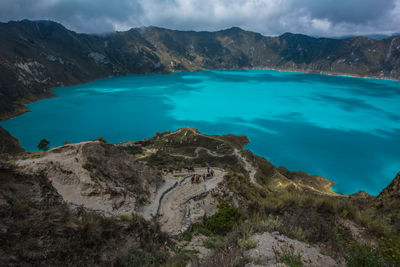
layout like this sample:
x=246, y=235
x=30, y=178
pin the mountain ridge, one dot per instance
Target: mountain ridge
x=183, y=197
x=40, y=55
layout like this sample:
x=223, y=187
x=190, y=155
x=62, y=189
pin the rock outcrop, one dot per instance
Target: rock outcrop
x=97, y=176
x=8, y=143
x=271, y=247
x=393, y=189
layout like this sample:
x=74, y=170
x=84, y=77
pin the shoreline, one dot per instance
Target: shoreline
x=16, y=112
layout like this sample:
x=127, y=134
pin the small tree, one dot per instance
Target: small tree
x=44, y=145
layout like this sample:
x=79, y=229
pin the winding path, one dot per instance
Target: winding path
x=171, y=202
x=197, y=150
x=246, y=164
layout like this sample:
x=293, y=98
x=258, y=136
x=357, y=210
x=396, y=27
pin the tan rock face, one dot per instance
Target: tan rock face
x=271, y=247
x=98, y=176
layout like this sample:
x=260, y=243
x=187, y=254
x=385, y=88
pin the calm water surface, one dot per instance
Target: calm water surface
x=345, y=129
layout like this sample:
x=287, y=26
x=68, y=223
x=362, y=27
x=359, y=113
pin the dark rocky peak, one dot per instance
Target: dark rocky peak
x=42, y=28
x=295, y=36
x=233, y=30
x=392, y=190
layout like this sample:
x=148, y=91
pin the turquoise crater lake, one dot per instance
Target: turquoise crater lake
x=345, y=129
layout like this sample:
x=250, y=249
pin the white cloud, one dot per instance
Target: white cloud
x=270, y=17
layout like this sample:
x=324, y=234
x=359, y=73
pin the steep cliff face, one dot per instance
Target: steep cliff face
x=39, y=55
x=8, y=143
x=389, y=200
x=392, y=190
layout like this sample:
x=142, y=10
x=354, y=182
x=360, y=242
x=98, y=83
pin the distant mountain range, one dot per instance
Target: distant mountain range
x=39, y=55
x=376, y=36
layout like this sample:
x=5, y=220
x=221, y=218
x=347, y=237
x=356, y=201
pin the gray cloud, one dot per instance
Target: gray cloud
x=270, y=17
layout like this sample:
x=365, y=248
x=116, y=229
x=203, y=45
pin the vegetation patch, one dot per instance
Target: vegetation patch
x=133, y=150
x=223, y=220
x=288, y=256
x=247, y=243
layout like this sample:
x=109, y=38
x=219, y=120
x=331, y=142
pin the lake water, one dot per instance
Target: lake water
x=345, y=129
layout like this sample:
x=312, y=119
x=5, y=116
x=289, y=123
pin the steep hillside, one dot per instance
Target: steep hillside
x=8, y=143
x=39, y=55
x=183, y=197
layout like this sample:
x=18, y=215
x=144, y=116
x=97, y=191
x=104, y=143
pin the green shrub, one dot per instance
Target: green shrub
x=209, y=243
x=126, y=217
x=44, y=145
x=362, y=255
x=389, y=249
x=223, y=220
x=288, y=257
x=272, y=223
x=88, y=166
x=297, y=233
x=201, y=229
x=181, y=259
x=139, y=258
x=213, y=242
x=187, y=236
x=247, y=243
x=133, y=150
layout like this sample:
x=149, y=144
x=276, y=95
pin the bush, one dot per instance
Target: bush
x=126, y=217
x=187, y=236
x=201, y=229
x=181, y=259
x=44, y=145
x=288, y=257
x=297, y=233
x=139, y=258
x=223, y=220
x=362, y=255
x=272, y=223
x=247, y=243
x=389, y=249
x=213, y=242
x=133, y=150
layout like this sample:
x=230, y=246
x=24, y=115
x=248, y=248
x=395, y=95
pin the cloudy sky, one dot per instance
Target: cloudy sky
x=269, y=17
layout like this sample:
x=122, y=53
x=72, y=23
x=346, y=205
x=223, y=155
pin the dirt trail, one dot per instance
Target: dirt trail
x=197, y=150
x=151, y=210
x=174, y=208
x=247, y=165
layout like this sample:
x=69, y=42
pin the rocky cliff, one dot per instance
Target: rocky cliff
x=8, y=143
x=39, y=55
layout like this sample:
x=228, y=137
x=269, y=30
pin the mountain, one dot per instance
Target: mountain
x=39, y=55
x=182, y=198
x=376, y=36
